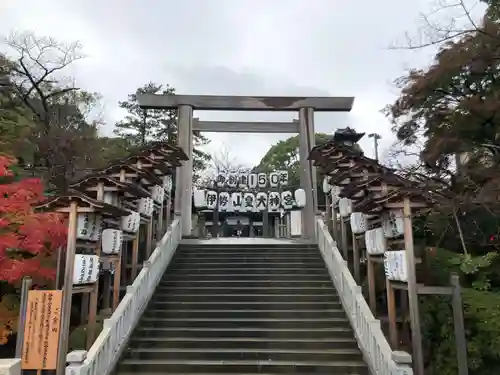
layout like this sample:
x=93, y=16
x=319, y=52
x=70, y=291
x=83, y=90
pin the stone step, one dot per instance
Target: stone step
x=260, y=282
x=243, y=342
x=230, y=322
x=245, y=305
x=242, y=276
x=237, y=353
x=245, y=313
x=234, y=254
x=260, y=332
x=247, y=247
x=247, y=289
x=269, y=270
x=247, y=297
x=248, y=264
x=165, y=366
x=248, y=256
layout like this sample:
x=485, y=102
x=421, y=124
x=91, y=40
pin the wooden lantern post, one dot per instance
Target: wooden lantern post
x=74, y=204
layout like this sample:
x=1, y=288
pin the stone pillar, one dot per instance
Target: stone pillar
x=307, y=171
x=184, y=177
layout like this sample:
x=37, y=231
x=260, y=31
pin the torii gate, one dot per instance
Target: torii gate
x=185, y=104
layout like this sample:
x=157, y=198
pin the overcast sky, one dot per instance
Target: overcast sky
x=237, y=47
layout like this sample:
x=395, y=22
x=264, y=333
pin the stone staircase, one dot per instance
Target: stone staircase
x=250, y=309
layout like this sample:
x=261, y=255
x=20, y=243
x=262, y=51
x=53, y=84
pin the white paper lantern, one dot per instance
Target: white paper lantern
x=158, y=194
x=224, y=199
x=274, y=201
x=283, y=178
x=211, y=200
x=167, y=183
x=237, y=201
x=326, y=186
x=261, y=201
x=358, y=222
x=345, y=207
x=199, y=197
x=221, y=179
x=395, y=265
x=261, y=180
x=393, y=223
x=375, y=241
x=287, y=200
x=248, y=202
x=96, y=228
x=336, y=193
x=243, y=181
x=232, y=180
x=110, y=198
x=274, y=179
x=143, y=206
x=137, y=221
x=111, y=241
x=151, y=207
x=86, y=269
x=131, y=222
x=84, y=226
x=300, y=198
x=252, y=180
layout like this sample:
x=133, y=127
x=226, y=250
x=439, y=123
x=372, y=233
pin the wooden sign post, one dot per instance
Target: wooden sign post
x=41, y=334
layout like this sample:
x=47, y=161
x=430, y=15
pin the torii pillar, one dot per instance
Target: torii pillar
x=307, y=171
x=184, y=173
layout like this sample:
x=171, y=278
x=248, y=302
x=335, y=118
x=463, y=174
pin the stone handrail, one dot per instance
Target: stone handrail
x=107, y=349
x=371, y=340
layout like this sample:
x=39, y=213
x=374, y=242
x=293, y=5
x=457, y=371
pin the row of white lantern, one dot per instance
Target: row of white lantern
x=249, y=202
x=89, y=226
x=392, y=226
x=252, y=180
